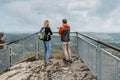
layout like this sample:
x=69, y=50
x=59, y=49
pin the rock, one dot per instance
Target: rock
x=1, y=41
x=37, y=71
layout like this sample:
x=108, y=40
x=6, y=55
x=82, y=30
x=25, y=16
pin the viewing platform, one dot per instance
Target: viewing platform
x=92, y=59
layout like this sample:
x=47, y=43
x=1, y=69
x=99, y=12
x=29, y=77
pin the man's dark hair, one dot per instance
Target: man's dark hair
x=64, y=21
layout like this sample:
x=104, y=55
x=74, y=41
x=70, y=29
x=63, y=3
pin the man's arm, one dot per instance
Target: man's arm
x=61, y=30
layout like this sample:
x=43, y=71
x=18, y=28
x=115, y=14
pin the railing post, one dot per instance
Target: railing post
x=98, y=58
x=89, y=56
x=117, y=74
x=36, y=51
x=23, y=50
x=77, y=42
x=10, y=54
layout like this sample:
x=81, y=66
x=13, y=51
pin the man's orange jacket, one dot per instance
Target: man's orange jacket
x=62, y=28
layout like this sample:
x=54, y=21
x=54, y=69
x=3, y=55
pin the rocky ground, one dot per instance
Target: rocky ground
x=36, y=71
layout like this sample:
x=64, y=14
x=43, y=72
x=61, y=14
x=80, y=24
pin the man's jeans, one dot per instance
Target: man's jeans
x=66, y=50
x=47, y=50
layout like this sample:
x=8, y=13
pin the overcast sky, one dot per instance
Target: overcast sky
x=82, y=15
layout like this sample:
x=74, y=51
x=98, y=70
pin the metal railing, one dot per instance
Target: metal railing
x=22, y=49
x=96, y=55
x=99, y=58
x=4, y=59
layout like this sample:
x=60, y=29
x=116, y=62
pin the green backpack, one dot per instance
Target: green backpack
x=42, y=33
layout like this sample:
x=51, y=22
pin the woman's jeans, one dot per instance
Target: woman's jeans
x=47, y=50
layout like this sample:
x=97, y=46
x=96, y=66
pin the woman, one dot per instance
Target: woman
x=47, y=42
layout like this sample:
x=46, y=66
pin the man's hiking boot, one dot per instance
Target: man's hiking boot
x=68, y=62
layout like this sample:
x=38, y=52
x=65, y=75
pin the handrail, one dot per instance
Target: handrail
x=103, y=43
x=21, y=39
x=26, y=37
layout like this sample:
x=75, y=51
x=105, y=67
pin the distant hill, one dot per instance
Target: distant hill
x=9, y=37
x=107, y=37
x=112, y=38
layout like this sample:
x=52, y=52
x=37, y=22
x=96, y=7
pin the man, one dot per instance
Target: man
x=64, y=31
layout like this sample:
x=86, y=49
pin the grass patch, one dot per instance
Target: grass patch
x=55, y=54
